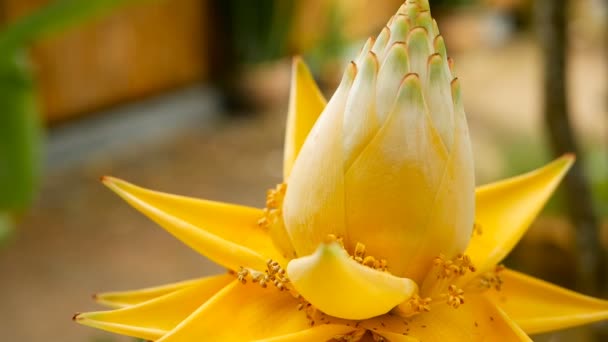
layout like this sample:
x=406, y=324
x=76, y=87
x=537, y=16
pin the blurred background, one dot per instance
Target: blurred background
x=190, y=97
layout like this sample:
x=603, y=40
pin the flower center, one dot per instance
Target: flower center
x=440, y=287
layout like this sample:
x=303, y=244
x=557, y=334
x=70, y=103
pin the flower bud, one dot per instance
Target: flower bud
x=388, y=163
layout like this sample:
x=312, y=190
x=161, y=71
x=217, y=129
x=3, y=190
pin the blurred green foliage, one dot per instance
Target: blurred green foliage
x=260, y=29
x=20, y=122
x=20, y=133
x=6, y=227
x=526, y=154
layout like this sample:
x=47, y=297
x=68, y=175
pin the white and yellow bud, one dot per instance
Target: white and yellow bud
x=388, y=163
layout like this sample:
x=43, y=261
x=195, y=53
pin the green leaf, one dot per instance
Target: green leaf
x=20, y=133
x=6, y=227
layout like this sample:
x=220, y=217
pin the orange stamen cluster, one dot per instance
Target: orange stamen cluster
x=351, y=337
x=456, y=267
x=492, y=279
x=419, y=305
x=367, y=260
x=274, y=203
x=274, y=274
x=455, y=296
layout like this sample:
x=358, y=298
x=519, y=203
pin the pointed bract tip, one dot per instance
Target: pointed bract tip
x=297, y=63
x=435, y=59
x=410, y=90
x=76, y=317
x=419, y=30
x=569, y=156
x=567, y=159
x=108, y=180
x=409, y=77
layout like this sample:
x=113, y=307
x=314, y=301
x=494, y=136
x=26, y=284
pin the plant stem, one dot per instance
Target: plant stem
x=553, y=30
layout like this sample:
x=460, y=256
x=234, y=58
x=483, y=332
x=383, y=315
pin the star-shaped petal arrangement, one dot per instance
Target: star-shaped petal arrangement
x=376, y=234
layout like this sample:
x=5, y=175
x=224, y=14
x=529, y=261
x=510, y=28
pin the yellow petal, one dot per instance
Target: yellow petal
x=538, y=306
x=314, y=202
x=225, y=233
x=324, y=332
x=505, y=210
x=493, y=324
x=476, y=320
x=305, y=105
x=242, y=313
x=121, y=299
x=339, y=286
x=152, y=319
x=391, y=187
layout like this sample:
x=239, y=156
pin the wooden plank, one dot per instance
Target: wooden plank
x=137, y=51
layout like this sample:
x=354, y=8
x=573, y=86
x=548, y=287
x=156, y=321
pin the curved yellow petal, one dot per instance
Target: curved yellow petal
x=325, y=332
x=505, y=210
x=242, y=312
x=538, y=306
x=152, y=319
x=305, y=105
x=476, y=320
x=121, y=299
x=225, y=233
x=339, y=286
x=314, y=201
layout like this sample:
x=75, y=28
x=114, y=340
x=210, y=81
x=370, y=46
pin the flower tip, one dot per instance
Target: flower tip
x=297, y=63
x=566, y=161
x=107, y=180
x=569, y=157
x=77, y=317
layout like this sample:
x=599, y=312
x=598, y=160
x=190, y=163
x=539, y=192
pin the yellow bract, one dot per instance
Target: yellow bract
x=329, y=279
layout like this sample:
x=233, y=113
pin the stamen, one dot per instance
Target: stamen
x=419, y=304
x=274, y=203
x=455, y=296
x=378, y=338
x=368, y=260
x=274, y=197
x=274, y=274
x=333, y=238
x=359, y=252
x=456, y=267
x=351, y=337
x=492, y=279
x=440, y=284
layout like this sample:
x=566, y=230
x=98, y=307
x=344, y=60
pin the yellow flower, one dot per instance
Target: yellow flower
x=377, y=232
